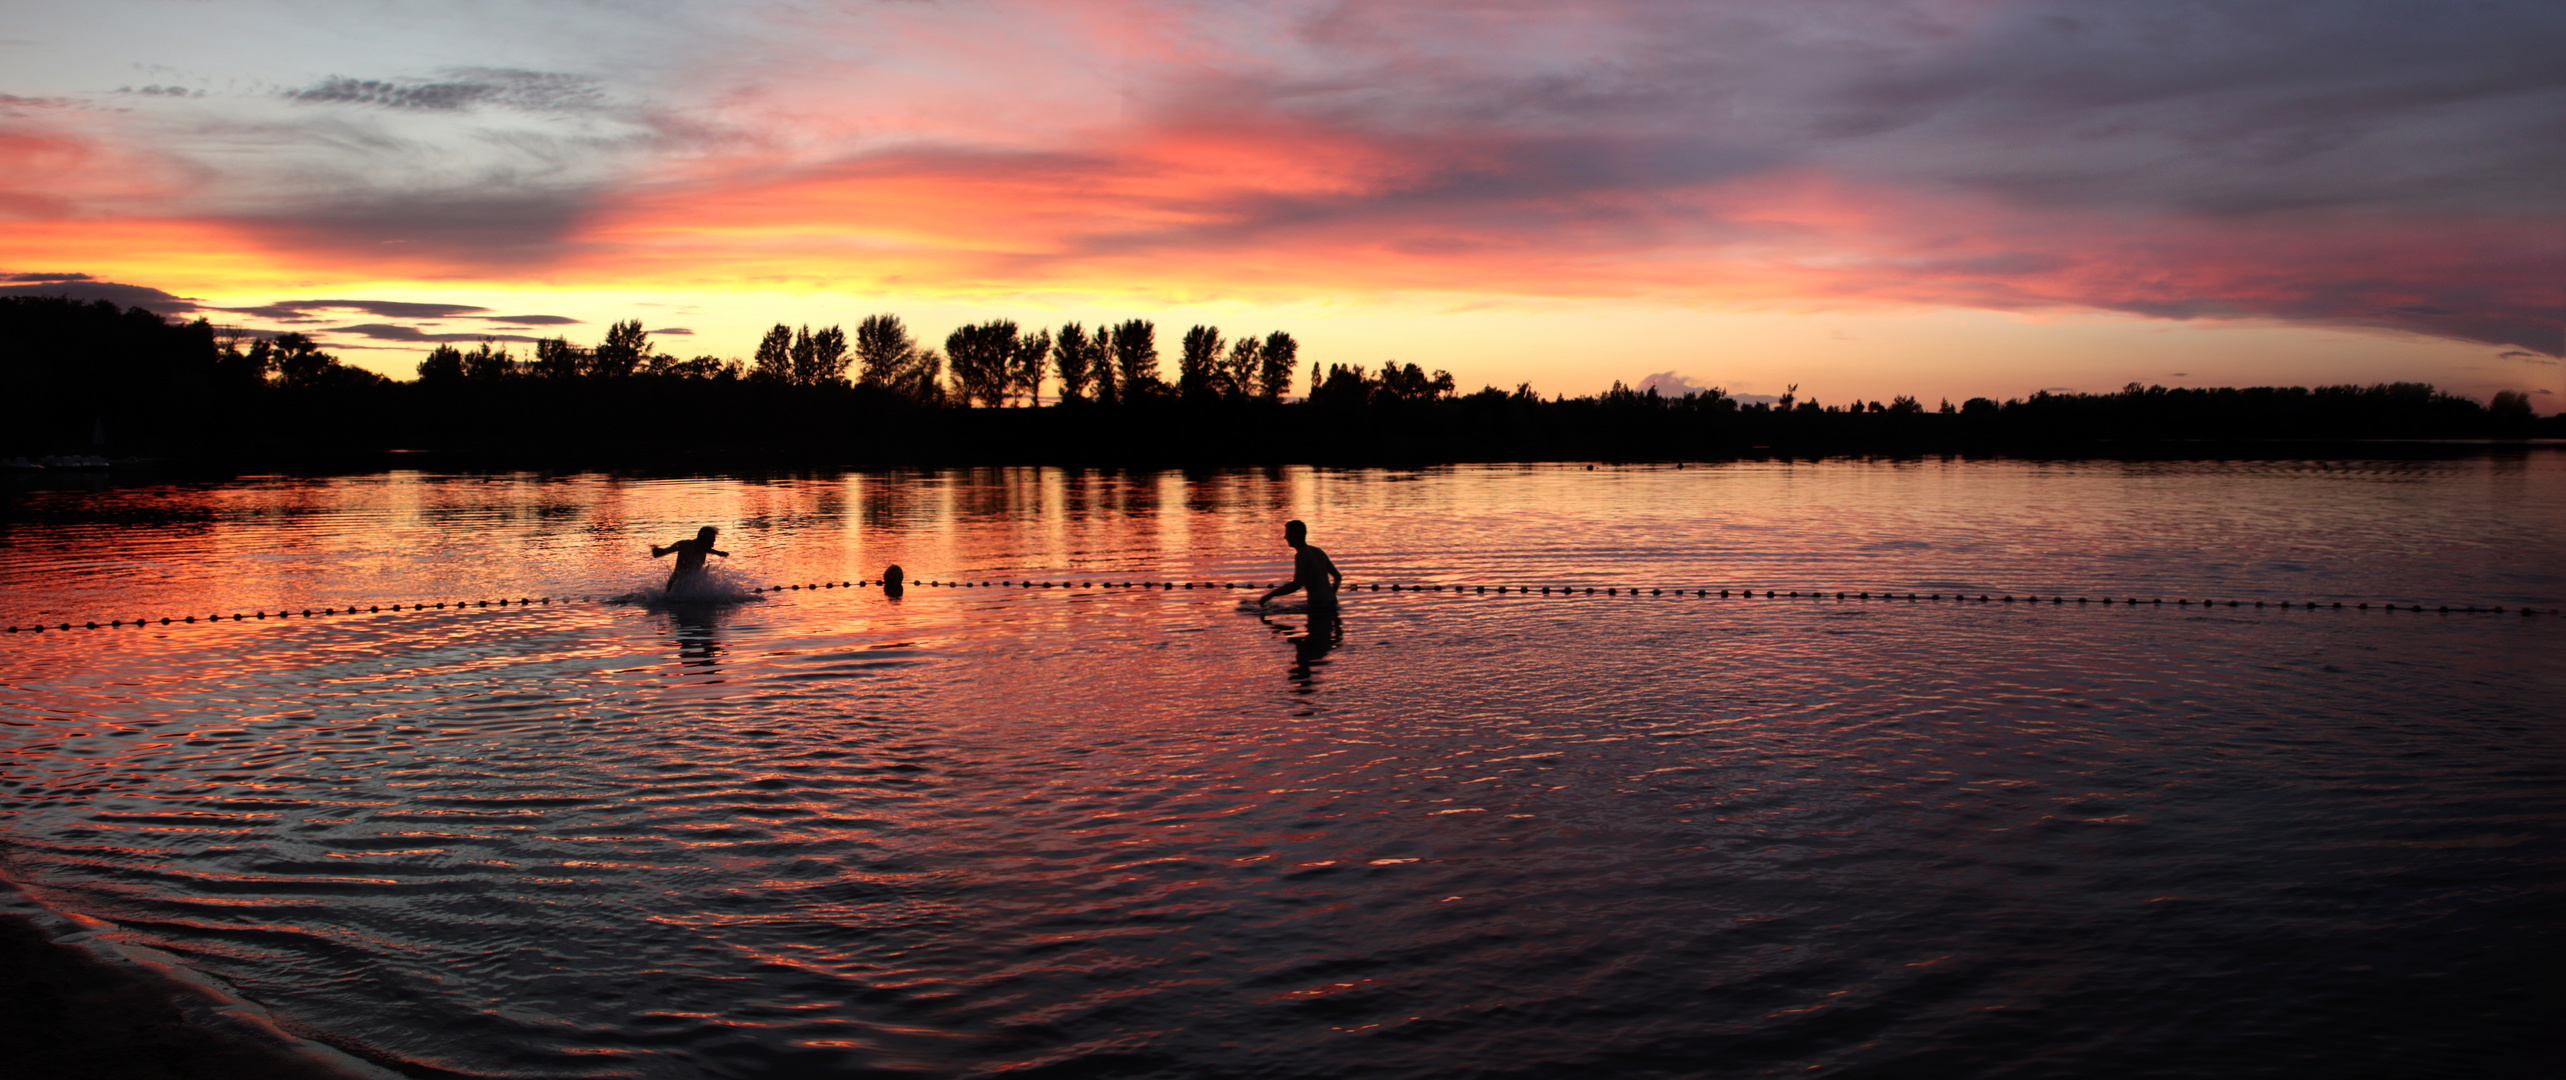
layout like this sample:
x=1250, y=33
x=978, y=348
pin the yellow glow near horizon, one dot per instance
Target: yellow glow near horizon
x=1570, y=347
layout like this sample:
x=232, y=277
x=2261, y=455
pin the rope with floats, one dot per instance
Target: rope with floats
x=288, y=613
x=894, y=586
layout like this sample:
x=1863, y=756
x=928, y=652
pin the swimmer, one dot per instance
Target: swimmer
x=690, y=554
x=1311, y=570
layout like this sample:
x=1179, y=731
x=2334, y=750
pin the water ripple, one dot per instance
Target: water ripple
x=1149, y=833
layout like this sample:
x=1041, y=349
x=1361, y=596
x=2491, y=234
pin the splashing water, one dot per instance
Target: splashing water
x=712, y=587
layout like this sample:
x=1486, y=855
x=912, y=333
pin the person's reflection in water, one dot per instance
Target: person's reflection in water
x=1325, y=632
x=699, y=647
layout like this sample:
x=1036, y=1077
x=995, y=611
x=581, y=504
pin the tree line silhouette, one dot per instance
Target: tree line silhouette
x=91, y=378
x=991, y=364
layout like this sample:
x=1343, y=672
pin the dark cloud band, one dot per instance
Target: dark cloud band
x=393, y=332
x=462, y=88
x=82, y=287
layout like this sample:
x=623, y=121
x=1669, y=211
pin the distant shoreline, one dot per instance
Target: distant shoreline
x=720, y=460
x=126, y=385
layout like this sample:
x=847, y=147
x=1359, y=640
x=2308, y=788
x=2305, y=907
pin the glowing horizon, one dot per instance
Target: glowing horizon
x=1934, y=198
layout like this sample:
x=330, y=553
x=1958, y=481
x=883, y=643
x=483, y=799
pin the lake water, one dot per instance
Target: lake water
x=1145, y=832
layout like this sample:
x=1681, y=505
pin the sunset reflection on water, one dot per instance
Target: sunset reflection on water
x=1126, y=831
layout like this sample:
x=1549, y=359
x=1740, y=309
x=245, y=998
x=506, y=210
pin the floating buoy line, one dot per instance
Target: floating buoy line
x=1561, y=591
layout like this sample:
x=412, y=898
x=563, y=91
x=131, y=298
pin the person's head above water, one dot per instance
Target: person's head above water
x=707, y=533
x=1295, y=533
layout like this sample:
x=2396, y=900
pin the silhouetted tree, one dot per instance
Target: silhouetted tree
x=884, y=351
x=1069, y=359
x=1343, y=387
x=235, y=368
x=488, y=365
x=1024, y=374
x=1274, y=364
x=296, y=359
x=983, y=356
x=443, y=366
x=75, y=371
x=622, y=353
x=712, y=368
x=1136, y=359
x=925, y=381
x=1239, y=369
x=300, y=364
x=773, y=361
x=1410, y=384
x=1100, y=366
x=892, y=360
x=557, y=358
x=819, y=359
x=1198, y=365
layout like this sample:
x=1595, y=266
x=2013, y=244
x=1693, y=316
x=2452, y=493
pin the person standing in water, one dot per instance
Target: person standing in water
x=690, y=554
x=1311, y=571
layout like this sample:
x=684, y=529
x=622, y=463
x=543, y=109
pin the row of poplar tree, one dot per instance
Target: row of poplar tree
x=992, y=363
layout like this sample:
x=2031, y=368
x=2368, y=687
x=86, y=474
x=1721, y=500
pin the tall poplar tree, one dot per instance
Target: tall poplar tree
x=983, y=357
x=774, y=359
x=1069, y=362
x=1100, y=366
x=1136, y=359
x=1198, y=364
x=884, y=351
x=623, y=350
x=1274, y=365
x=1238, y=369
x=1024, y=372
x=819, y=359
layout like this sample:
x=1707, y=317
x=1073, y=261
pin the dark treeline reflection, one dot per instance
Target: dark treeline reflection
x=88, y=378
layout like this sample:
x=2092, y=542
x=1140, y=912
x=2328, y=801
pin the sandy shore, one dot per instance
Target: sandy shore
x=76, y=1005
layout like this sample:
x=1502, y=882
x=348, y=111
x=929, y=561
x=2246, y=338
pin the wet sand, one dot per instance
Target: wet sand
x=74, y=1008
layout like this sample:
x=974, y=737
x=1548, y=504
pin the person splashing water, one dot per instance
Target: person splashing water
x=690, y=555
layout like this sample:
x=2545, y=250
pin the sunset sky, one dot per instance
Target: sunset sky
x=1948, y=198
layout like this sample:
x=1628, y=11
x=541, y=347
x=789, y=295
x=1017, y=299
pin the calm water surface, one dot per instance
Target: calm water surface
x=1072, y=832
